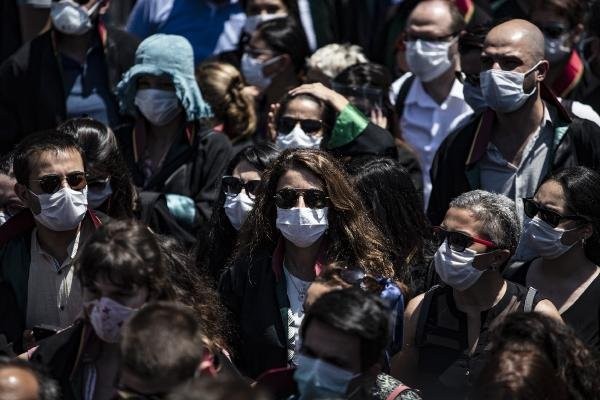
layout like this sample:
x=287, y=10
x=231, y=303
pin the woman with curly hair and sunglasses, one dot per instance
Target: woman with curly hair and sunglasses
x=306, y=216
x=562, y=231
x=446, y=329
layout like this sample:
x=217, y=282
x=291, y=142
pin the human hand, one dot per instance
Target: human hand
x=320, y=91
x=379, y=118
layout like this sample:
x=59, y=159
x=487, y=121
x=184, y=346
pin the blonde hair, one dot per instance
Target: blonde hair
x=222, y=86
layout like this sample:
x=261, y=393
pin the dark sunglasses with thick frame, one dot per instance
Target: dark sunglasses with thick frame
x=552, y=218
x=313, y=198
x=232, y=186
x=458, y=241
x=309, y=126
x=52, y=182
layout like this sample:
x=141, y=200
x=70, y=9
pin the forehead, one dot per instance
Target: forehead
x=55, y=162
x=299, y=178
x=329, y=343
x=462, y=220
x=552, y=194
x=303, y=108
x=17, y=383
x=506, y=43
x=430, y=15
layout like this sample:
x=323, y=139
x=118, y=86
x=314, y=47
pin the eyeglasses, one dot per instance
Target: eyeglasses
x=553, y=31
x=472, y=79
x=309, y=126
x=313, y=198
x=97, y=183
x=358, y=278
x=457, y=241
x=550, y=217
x=409, y=37
x=51, y=183
x=232, y=186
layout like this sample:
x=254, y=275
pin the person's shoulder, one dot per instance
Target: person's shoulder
x=389, y=388
x=397, y=84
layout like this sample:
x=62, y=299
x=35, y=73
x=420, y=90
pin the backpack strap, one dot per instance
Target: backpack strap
x=424, y=313
x=528, y=305
x=397, y=391
x=402, y=94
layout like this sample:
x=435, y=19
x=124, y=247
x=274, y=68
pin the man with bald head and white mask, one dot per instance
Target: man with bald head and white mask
x=523, y=135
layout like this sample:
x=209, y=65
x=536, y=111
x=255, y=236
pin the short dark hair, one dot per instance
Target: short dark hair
x=48, y=388
x=286, y=36
x=573, y=10
x=125, y=253
x=353, y=312
x=163, y=341
x=220, y=388
x=38, y=143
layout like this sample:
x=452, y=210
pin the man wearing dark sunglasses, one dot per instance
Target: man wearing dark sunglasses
x=446, y=328
x=39, y=244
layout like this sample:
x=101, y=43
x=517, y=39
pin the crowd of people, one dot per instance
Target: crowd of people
x=299, y=199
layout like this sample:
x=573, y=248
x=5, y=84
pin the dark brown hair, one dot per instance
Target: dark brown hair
x=352, y=239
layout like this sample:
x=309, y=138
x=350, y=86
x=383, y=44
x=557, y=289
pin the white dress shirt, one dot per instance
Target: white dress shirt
x=425, y=123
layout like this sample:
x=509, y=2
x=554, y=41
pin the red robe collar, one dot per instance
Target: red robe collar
x=570, y=75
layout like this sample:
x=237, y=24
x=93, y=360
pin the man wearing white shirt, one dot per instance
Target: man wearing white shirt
x=430, y=98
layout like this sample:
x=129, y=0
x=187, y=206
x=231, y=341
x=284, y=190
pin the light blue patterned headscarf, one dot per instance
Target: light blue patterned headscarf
x=165, y=55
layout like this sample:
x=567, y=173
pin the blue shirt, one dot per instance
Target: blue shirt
x=199, y=21
x=87, y=88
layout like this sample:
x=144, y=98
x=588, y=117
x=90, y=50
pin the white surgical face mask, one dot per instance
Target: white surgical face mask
x=474, y=97
x=252, y=69
x=318, y=379
x=158, y=106
x=555, y=49
x=237, y=208
x=108, y=317
x=62, y=210
x=302, y=226
x=253, y=21
x=503, y=90
x=97, y=196
x=297, y=138
x=428, y=59
x=456, y=268
x=544, y=240
x=71, y=18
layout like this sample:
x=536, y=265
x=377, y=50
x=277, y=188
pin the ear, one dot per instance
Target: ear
x=491, y=260
x=22, y=193
x=542, y=70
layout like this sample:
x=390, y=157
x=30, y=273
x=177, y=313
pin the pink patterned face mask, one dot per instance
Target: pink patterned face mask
x=108, y=317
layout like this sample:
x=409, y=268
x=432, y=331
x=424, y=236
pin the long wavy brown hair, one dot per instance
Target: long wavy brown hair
x=351, y=239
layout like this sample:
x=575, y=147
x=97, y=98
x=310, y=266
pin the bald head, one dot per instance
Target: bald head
x=18, y=384
x=520, y=37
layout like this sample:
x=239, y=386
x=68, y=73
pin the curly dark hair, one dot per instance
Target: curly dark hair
x=572, y=361
x=352, y=239
x=103, y=157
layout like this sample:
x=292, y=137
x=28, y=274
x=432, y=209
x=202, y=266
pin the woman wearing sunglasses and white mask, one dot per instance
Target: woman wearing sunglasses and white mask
x=239, y=187
x=563, y=230
x=305, y=217
x=446, y=329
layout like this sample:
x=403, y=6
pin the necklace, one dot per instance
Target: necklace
x=301, y=291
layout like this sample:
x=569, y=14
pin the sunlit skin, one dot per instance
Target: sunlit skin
x=59, y=163
x=246, y=172
x=300, y=261
x=562, y=280
x=303, y=108
x=18, y=384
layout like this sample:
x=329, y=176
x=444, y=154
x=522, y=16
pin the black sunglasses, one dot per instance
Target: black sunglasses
x=457, y=241
x=472, y=79
x=550, y=217
x=309, y=126
x=51, y=183
x=313, y=198
x=359, y=279
x=232, y=186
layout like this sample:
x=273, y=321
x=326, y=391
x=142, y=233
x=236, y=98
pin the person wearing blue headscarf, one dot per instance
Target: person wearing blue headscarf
x=175, y=158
